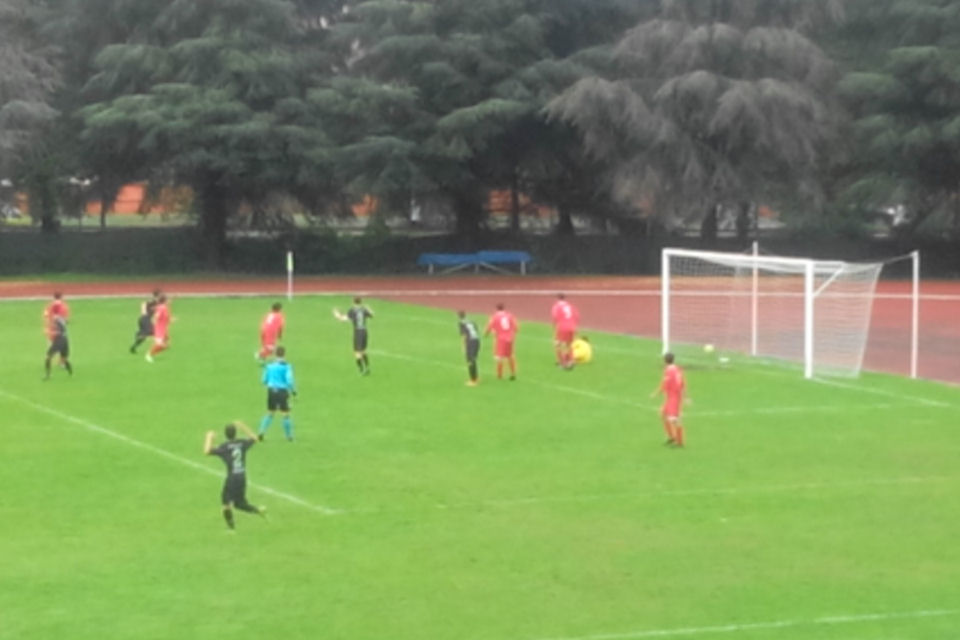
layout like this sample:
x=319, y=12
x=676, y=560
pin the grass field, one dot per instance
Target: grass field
x=414, y=507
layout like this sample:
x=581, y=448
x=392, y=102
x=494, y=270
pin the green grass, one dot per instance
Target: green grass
x=542, y=508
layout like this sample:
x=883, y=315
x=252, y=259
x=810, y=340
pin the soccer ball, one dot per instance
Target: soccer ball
x=708, y=348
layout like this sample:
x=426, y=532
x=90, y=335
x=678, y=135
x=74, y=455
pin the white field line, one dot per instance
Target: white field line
x=776, y=624
x=90, y=426
x=670, y=493
x=817, y=408
x=881, y=392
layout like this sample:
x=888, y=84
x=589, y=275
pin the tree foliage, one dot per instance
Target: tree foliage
x=709, y=102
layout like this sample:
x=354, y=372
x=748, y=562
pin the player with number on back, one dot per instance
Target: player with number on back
x=673, y=387
x=233, y=452
x=505, y=326
x=271, y=330
x=565, y=318
x=471, y=345
x=357, y=315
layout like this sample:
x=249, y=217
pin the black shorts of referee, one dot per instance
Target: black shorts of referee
x=278, y=400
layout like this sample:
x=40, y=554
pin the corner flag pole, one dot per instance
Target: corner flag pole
x=289, y=275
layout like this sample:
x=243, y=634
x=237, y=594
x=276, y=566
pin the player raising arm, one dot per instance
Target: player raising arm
x=233, y=452
x=673, y=388
x=357, y=315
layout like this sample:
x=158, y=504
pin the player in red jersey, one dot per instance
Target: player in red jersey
x=504, y=324
x=565, y=318
x=161, y=328
x=271, y=330
x=56, y=308
x=673, y=388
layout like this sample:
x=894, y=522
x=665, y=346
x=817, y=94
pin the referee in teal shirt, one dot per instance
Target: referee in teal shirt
x=278, y=378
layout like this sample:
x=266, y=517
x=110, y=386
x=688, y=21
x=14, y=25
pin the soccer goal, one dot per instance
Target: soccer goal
x=814, y=312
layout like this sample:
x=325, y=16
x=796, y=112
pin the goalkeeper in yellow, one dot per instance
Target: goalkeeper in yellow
x=582, y=350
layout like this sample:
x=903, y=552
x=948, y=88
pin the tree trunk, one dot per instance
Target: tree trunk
x=564, y=221
x=108, y=197
x=743, y=221
x=468, y=204
x=514, y=202
x=708, y=227
x=214, y=211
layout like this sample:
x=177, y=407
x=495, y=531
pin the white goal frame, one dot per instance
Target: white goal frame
x=807, y=267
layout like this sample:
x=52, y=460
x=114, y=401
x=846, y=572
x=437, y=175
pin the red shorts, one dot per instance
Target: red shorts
x=564, y=334
x=160, y=336
x=268, y=339
x=671, y=408
x=504, y=349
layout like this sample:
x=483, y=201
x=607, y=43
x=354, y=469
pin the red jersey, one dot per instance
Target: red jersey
x=564, y=315
x=56, y=309
x=504, y=324
x=673, y=383
x=272, y=325
x=161, y=318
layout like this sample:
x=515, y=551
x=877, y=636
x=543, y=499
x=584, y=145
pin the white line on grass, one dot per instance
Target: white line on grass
x=671, y=493
x=776, y=624
x=817, y=408
x=90, y=426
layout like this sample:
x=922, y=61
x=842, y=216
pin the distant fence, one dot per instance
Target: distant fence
x=176, y=250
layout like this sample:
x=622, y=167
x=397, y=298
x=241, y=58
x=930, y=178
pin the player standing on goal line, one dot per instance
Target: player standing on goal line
x=233, y=452
x=672, y=387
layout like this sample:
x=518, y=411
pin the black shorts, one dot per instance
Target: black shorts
x=278, y=399
x=144, y=327
x=472, y=350
x=60, y=345
x=234, y=489
x=360, y=340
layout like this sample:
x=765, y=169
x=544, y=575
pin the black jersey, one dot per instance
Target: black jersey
x=149, y=307
x=468, y=329
x=234, y=455
x=58, y=327
x=358, y=317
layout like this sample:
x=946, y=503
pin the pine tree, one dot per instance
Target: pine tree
x=710, y=103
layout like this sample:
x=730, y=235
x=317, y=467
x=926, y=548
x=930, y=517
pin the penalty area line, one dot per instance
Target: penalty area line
x=133, y=442
x=776, y=624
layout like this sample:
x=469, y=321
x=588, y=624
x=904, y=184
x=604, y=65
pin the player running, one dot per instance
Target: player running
x=565, y=318
x=145, y=321
x=59, y=344
x=271, y=330
x=504, y=324
x=471, y=345
x=233, y=452
x=673, y=388
x=278, y=378
x=161, y=328
x=358, y=315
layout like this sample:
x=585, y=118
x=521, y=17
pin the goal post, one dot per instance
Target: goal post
x=812, y=312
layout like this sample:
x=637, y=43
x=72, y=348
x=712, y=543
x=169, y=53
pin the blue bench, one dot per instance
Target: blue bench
x=449, y=262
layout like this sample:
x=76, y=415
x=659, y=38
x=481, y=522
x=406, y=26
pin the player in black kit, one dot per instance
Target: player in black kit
x=59, y=344
x=357, y=316
x=471, y=345
x=233, y=452
x=145, y=321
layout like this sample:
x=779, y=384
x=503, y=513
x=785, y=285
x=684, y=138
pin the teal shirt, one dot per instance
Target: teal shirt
x=279, y=375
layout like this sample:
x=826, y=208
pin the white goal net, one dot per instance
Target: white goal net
x=813, y=312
